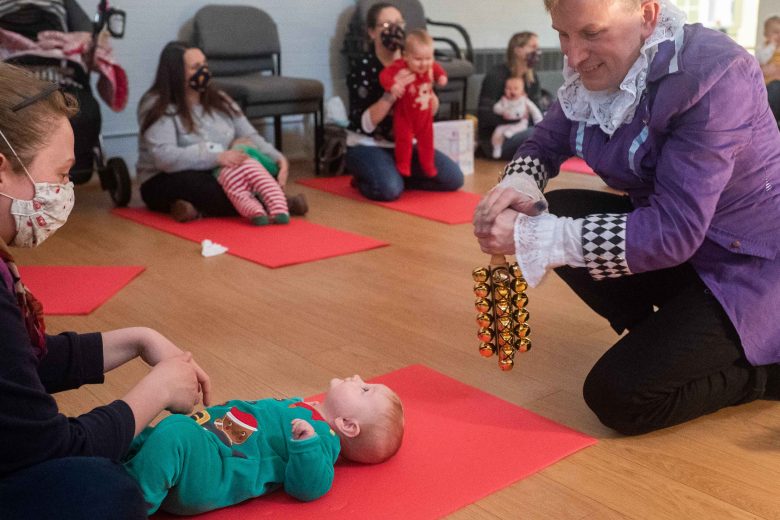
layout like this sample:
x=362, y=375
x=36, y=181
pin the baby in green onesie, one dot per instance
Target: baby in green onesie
x=229, y=453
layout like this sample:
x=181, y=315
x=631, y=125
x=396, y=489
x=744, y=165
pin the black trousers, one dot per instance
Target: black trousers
x=681, y=358
x=773, y=94
x=197, y=187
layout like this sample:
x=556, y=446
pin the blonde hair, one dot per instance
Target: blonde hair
x=378, y=440
x=418, y=37
x=27, y=128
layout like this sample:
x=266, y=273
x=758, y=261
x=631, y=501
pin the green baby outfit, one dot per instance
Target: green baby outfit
x=229, y=453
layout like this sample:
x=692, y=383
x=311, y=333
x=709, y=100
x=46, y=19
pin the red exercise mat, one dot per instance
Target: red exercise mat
x=460, y=445
x=272, y=245
x=449, y=207
x=576, y=165
x=76, y=289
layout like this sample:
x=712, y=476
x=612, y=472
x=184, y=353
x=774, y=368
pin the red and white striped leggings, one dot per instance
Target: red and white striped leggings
x=243, y=181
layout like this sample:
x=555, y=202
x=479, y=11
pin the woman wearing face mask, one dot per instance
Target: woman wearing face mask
x=522, y=55
x=687, y=263
x=52, y=466
x=189, y=128
x=370, y=157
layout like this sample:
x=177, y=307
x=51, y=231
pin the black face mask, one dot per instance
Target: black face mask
x=533, y=58
x=392, y=37
x=200, y=80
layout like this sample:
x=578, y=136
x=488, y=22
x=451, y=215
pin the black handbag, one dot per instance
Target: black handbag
x=333, y=154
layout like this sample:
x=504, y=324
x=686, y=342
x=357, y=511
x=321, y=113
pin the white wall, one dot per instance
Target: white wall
x=311, y=34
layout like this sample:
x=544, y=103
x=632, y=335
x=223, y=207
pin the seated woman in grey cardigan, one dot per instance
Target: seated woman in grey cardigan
x=188, y=130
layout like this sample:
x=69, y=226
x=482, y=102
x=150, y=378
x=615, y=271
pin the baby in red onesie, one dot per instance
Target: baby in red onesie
x=413, y=111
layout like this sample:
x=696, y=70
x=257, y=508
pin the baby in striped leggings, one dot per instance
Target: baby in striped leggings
x=249, y=183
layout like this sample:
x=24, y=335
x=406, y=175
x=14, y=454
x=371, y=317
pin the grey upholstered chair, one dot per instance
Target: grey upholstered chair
x=456, y=61
x=242, y=46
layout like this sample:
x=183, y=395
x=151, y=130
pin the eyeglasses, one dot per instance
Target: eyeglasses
x=387, y=25
x=51, y=87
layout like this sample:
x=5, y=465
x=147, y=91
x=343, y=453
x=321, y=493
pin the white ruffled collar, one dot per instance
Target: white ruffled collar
x=610, y=110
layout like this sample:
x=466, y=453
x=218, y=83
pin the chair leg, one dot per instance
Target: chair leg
x=278, y=132
x=465, y=98
x=318, y=130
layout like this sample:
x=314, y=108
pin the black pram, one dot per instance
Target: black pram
x=30, y=18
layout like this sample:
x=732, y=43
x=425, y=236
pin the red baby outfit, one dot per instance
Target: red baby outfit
x=413, y=117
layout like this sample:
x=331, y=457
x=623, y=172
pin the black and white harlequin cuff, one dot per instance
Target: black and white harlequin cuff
x=530, y=166
x=604, y=245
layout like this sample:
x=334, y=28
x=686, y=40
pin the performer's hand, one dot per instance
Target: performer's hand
x=497, y=201
x=499, y=237
x=302, y=430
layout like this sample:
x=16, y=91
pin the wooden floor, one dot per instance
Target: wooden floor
x=281, y=332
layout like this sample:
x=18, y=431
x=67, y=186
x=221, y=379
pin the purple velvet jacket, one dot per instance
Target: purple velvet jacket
x=701, y=162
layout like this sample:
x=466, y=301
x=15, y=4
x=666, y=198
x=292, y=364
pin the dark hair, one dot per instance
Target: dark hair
x=373, y=13
x=29, y=127
x=169, y=89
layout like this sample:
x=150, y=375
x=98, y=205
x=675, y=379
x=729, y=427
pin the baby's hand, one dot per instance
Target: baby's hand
x=302, y=430
x=442, y=81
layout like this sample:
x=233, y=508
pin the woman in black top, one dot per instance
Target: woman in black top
x=53, y=466
x=370, y=157
x=522, y=53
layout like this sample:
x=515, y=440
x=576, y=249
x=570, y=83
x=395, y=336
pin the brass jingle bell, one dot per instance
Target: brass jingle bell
x=506, y=337
x=508, y=350
x=524, y=345
x=481, y=290
x=485, y=335
x=520, y=315
x=506, y=364
x=501, y=292
x=504, y=323
x=519, y=285
x=503, y=308
x=500, y=275
x=522, y=330
x=484, y=320
x=480, y=274
x=520, y=300
x=515, y=270
x=487, y=349
x=483, y=305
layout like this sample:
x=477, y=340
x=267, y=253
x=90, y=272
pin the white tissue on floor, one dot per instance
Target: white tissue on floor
x=210, y=248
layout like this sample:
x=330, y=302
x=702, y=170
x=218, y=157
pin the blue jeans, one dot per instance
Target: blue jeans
x=377, y=178
x=74, y=488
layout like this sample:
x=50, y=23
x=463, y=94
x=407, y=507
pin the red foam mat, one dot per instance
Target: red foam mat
x=576, y=165
x=272, y=246
x=76, y=289
x=450, y=207
x=460, y=445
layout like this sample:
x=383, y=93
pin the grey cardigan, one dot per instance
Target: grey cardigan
x=167, y=147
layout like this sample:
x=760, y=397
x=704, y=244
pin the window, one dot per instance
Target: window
x=737, y=18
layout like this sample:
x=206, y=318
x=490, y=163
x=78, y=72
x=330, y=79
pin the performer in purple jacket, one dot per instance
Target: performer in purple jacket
x=676, y=117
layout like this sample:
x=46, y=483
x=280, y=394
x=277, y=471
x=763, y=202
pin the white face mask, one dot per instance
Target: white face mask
x=37, y=219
